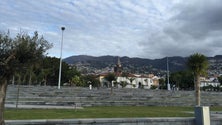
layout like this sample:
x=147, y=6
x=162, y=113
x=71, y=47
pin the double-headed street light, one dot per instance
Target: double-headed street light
x=60, y=65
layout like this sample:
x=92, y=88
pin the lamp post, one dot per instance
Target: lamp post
x=60, y=65
x=168, y=81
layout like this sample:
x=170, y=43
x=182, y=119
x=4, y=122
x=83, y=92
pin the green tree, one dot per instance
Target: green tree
x=110, y=77
x=182, y=79
x=76, y=80
x=187, y=81
x=50, y=70
x=15, y=55
x=70, y=72
x=162, y=84
x=91, y=79
x=198, y=64
x=175, y=78
x=43, y=76
x=220, y=79
x=123, y=83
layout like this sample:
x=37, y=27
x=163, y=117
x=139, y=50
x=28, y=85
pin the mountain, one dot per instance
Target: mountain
x=136, y=65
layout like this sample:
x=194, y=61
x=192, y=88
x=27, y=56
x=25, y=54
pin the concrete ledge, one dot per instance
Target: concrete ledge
x=104, y=121
x=113, y=121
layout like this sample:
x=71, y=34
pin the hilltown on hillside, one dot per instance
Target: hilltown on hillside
x=146, y=81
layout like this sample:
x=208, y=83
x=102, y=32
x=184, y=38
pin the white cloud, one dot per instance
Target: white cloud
x=144, y=28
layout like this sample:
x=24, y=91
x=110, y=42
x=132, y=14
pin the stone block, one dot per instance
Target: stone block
x=202, y=115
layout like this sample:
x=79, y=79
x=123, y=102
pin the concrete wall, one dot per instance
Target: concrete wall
x=107, y=121
x=113, y=121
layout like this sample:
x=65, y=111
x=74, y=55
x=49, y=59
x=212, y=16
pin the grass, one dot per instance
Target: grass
x=99, y=112
x=102, y=112
x=216, y=108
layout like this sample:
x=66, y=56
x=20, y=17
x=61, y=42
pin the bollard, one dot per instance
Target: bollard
x=202, y=115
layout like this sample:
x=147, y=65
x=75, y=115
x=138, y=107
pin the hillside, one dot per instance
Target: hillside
x=134, y=65
x=137, y=65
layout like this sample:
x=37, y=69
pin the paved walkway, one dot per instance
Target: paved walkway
x=42, y=107
x=216, y=114
x=106, y=121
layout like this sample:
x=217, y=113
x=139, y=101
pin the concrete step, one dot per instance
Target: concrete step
x=49, y=95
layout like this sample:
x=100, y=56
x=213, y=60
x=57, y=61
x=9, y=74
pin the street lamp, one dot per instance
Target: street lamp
x=168, y=81
x=60, y=65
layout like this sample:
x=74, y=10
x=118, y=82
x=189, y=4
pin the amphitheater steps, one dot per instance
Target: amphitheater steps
x=68, y=96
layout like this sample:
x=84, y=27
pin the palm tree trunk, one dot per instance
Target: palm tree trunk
x=45, y=82
x=17, y=96
x=30, y=75
x=111, y=88
x=3, y=87
x=197, y=90
x=30, y=78
x=13, y=80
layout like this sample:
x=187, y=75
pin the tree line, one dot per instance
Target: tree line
x=23, y=60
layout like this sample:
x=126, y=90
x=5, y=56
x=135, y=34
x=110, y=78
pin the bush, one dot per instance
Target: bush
x=211, y=88
x=153, y=87
x=123, y=83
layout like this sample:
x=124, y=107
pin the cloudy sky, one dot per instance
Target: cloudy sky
x=135, y=28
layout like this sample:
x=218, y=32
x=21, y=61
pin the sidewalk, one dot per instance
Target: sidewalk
x=42, y=106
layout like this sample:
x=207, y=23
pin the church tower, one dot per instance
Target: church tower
x=118, y=67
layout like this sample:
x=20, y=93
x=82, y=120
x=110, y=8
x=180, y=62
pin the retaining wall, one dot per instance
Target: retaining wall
x=113, y=121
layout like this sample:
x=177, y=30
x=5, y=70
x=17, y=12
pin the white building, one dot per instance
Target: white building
x=207, y=82
x=134, y=81
x=131, y=80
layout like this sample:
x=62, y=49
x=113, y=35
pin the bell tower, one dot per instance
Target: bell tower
x=118, y=67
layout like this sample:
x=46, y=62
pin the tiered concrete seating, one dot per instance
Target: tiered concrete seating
x=76, y=96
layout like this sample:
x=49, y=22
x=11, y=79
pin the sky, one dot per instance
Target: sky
x=135, y=28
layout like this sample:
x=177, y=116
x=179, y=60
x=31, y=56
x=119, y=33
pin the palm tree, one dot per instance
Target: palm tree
x=198, y=64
